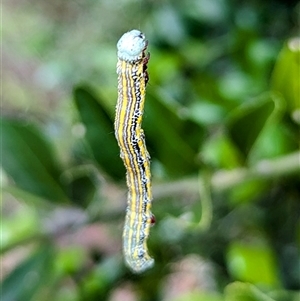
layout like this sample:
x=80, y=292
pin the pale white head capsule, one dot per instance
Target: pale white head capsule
x=131, y=46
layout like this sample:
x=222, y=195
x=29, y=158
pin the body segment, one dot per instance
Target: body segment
x=132, y=80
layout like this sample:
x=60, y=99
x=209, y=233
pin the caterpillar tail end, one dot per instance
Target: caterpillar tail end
x=139, y=265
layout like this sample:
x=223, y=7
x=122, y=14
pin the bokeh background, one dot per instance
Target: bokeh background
x=222, y=126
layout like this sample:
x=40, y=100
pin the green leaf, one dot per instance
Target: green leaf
x=82, y=190
x=285, y=295
x=172, y=140
x=247, y=192
x=276, y=139
x=99, y=132
x=28, y=277
x=18, y=227
x=102, y=279
x=239, y=291
x=29, y=161
x=247, y=121
x=286, y=73
x=252, y=262
x=220, y=152
x=31, y=199
x=70, y=260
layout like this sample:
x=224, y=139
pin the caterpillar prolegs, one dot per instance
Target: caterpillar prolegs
x=132, y=81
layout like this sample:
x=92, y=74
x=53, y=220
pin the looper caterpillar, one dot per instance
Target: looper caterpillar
x=132, y=80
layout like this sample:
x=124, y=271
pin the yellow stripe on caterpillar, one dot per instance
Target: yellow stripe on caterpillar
x=132, y=80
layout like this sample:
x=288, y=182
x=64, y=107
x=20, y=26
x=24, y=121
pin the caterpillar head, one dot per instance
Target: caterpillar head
x=132, y=45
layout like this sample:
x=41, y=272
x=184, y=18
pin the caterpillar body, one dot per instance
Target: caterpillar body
x=132, y=81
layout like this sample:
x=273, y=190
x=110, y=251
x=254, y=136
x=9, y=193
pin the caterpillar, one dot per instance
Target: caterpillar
x=132, y=80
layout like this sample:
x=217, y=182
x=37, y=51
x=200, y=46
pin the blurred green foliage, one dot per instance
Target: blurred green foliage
x=223, y=95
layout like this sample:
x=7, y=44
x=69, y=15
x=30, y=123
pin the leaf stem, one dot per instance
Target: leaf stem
x=223, y=180
x=266, y=170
